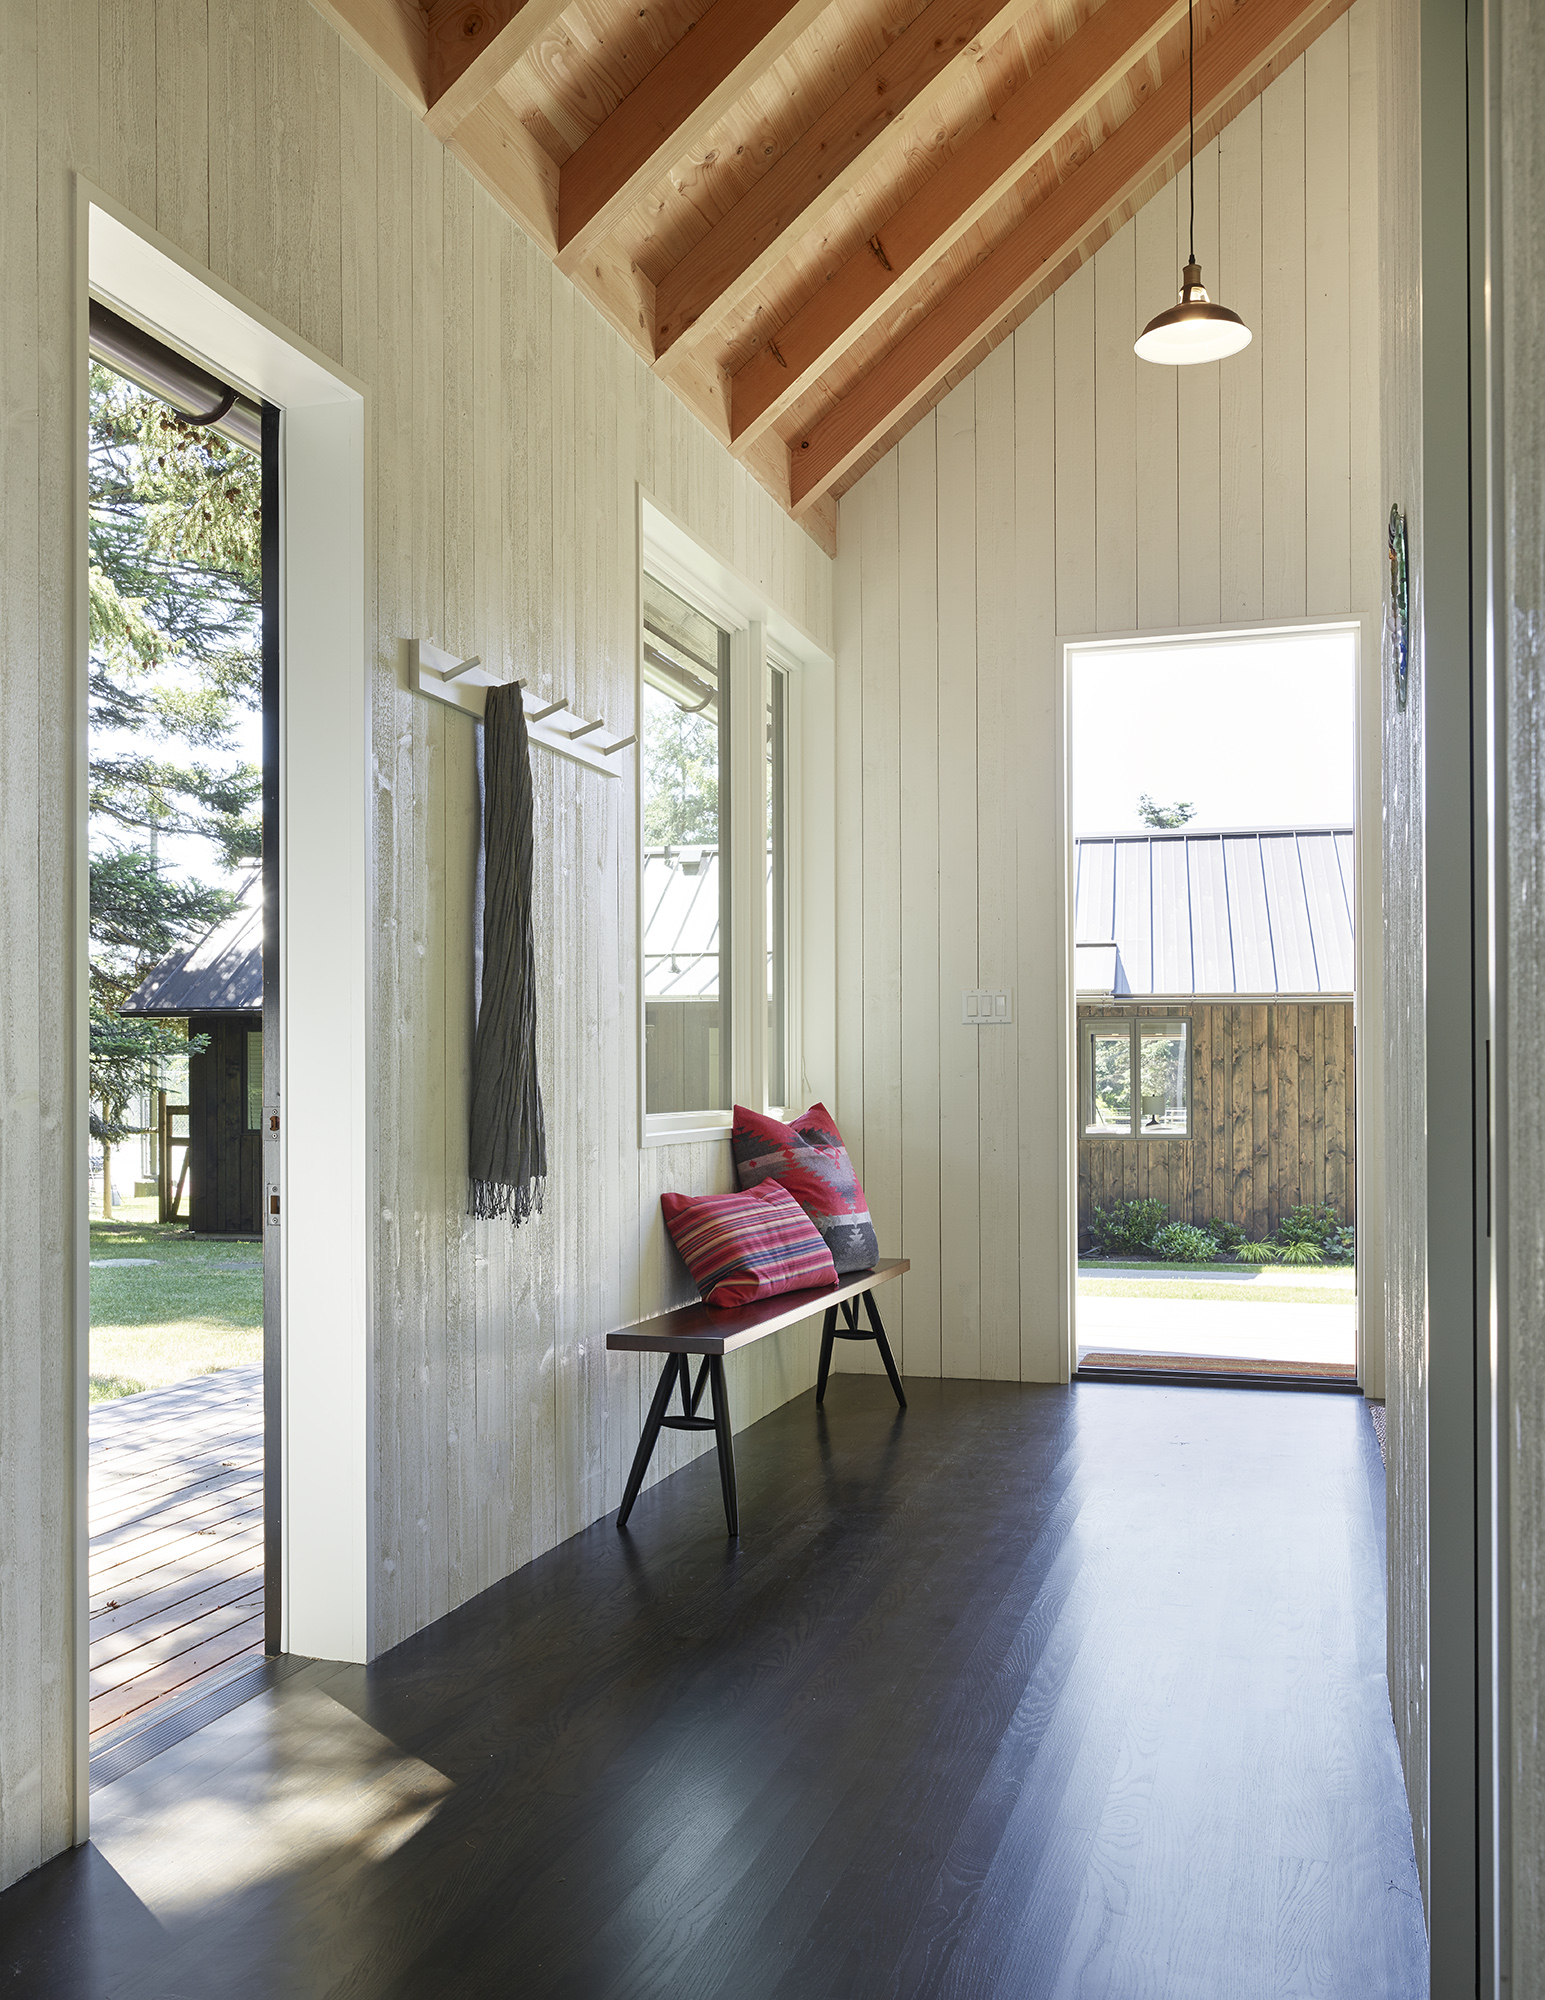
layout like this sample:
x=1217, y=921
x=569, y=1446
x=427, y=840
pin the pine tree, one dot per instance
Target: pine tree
x=175, y=593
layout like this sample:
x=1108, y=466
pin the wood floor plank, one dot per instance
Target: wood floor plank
x=1026, y=1691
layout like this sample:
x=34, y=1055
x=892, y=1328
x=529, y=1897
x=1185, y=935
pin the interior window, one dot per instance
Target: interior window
x=684, y=736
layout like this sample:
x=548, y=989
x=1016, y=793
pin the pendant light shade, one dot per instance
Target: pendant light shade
x=1195, y=330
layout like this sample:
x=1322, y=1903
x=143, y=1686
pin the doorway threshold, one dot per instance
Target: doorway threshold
x=1214, y=1371
x=170, y=1722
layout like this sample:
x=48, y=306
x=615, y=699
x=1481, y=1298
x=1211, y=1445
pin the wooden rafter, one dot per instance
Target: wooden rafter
x=472, y=43
x=1054, y=230
x=696, y=196
x=833, y=152
x=926, y=228
x=659, y=121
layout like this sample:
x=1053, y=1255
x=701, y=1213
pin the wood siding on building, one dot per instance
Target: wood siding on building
x=1064, y=487
x=225, y=1160
x=1273, y=1119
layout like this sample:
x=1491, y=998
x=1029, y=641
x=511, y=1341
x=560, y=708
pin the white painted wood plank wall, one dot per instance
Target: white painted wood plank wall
x=1066, y=487
x=508, y=427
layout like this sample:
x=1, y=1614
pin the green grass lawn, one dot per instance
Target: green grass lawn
x=177, y=1306
x=1256, y=1284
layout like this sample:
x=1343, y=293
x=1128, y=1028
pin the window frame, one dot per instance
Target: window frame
x=754, y=656
x=1136, y=1024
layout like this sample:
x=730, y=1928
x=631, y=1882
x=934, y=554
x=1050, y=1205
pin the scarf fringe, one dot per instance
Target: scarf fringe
x=493, y=1199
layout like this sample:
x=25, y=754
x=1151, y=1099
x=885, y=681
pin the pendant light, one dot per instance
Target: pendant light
x=1196, y=329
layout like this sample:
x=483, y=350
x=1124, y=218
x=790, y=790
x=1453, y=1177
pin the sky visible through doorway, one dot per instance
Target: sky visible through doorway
x=1253, y=733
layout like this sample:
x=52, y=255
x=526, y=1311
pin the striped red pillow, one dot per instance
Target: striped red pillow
x=741, y=1247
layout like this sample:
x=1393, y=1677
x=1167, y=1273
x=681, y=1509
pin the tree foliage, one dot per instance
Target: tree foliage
x=1151, y=813
x=681, y=776
x=175, y=590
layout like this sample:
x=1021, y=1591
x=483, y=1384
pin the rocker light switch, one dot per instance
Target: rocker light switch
x=983, y=1009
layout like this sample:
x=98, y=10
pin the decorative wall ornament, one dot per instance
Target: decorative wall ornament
x=1397, y=620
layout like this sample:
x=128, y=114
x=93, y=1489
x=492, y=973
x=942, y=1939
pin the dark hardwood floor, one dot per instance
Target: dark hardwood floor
x=1023, y=1692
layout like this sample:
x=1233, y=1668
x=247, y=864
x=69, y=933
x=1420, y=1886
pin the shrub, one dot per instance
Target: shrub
x=1340, y=1245
x=1183, y=1243
x=1130, y=1227
x=1303, y=1252
x=1257, y=1253
x=1227, y=1235
x=1309, y=1223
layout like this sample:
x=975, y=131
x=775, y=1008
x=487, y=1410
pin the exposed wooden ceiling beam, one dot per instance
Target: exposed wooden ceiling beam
x=472, y=43
x=925, y=228
x=664, y=116
x=842, y=145
x=506, y=158
x=1053, y=230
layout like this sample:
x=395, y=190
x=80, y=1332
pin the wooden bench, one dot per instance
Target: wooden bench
x=713, y=1332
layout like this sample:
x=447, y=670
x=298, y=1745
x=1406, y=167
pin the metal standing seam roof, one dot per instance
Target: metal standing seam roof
x=221, y=974
x=681, y=923
x=1255, y=911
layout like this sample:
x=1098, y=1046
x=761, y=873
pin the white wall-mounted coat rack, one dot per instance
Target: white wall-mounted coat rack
x=464, y=684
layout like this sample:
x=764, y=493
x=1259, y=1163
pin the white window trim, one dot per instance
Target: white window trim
x=760, y=633
x=1134, y=1023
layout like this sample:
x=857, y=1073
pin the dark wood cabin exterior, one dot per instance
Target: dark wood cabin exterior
x=1273, y=1116
x=225, y=1139
x=216, y=986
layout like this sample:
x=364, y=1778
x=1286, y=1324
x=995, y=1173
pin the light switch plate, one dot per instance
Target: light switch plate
x=986, y=1008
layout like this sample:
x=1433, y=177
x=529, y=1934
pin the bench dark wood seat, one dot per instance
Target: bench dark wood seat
x=712, y=1332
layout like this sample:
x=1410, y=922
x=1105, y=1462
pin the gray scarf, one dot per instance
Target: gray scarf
x=508, y=1152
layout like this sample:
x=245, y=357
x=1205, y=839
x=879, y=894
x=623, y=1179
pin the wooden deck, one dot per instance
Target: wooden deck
x=176, y=1542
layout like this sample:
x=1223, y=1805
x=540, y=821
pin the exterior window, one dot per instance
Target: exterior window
x=777, y=887
x=1164, y=1074
x=1152, y=1055
x=684, y=737
x=1108, y=1071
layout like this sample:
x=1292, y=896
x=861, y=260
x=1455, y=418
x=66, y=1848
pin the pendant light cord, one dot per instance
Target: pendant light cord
x=1191, y=20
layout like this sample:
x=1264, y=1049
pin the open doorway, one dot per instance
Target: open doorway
x=1213, y=789
x=181, y=498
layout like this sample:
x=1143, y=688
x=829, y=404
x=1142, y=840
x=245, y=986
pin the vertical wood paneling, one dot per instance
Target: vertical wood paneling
x=1239, y=383
x=1201, y=528
x=997, y=764
x=1043, y=1305
x=959, y=1121
x=1141, y=496
x=879, y=566
x=1327, y=320
x=918, y=698
x=1158, y=421
x=1072, y=311
x=1115, y=434
x=508, y=428
x=1283, y=413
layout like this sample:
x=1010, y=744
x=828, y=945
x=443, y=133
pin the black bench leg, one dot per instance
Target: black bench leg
x=725, y=1442
x=885, y=1348
x=828, y=1341
x=652, y=1422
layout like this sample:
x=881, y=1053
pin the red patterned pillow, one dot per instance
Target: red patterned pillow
x=741, y=1247
x=809, y=1159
